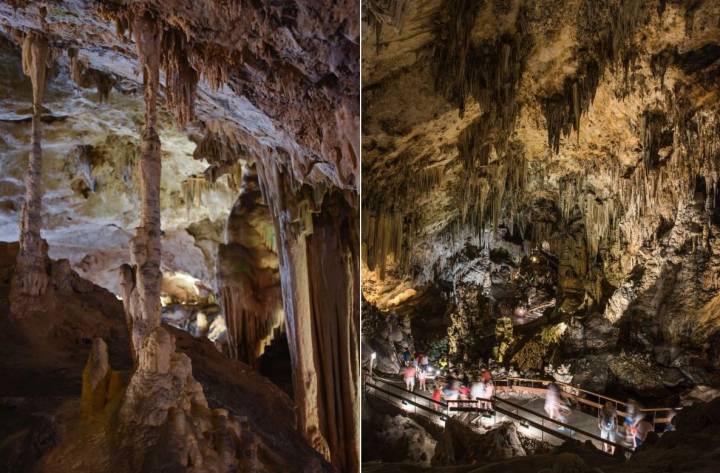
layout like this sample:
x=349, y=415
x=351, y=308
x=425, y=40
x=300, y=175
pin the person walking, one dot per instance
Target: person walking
x=437, y=397
x=477, y=392
x=608, y=424
x=424, y=362
x=409, y=375
x=556, y=405
x=632, y=420
x=422, y=378
x=489, y=393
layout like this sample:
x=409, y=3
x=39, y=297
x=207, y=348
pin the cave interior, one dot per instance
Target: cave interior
x=540, y=200
x=179, y=236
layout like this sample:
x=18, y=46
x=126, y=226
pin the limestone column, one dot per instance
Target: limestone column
x=319, y=273
x=31, y=277
x=145, y=248
x=334, y=269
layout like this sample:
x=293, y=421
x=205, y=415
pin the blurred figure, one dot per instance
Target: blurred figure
x=631, y=422
x=409, y=375
x=424, y=362
x=437, y=397
x=644, y=427
x=422, y=378
x=672, y=416
x=608, y=424
x=489, y=393
x=452, y=391
x=556, y=404
x=477, y=392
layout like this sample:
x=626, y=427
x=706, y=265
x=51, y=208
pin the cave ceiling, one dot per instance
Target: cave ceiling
x=485, y=120
x=275, y=84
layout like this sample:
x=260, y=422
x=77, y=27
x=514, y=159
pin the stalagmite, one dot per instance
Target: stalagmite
x=31, y=274
x=144, y=301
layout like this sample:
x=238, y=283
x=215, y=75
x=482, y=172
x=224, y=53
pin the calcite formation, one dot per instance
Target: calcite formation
x=248, y=275
x=574, y=144
x=251, y=83
x=32, y=279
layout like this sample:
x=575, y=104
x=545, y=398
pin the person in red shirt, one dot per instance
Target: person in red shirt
x=437, y=397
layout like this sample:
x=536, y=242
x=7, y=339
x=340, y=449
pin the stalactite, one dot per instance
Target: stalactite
x=563, y=110
x=248, y=275
x=180, y=78
x=332, y=250
x=382, y=12
x=388, y=225
x=217, y=147
x=31, y=273
x=490, y=72
x=319, y=272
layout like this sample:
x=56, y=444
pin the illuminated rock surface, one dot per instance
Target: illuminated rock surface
x=540, y=186
x=151, y=112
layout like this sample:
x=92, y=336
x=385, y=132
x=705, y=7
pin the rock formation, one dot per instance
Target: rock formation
x=244, y=84
x=551, y=170
x=248, y=275
x=32, y=279
x=142, y=290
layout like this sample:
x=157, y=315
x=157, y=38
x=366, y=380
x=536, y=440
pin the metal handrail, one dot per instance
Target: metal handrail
x=574, y=392
x=495, y=401
x=542, y=416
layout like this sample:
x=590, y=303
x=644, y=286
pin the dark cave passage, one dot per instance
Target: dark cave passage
x=275, y=363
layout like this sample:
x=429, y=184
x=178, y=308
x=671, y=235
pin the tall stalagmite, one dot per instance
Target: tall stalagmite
x=31, y=275
x=141, y=287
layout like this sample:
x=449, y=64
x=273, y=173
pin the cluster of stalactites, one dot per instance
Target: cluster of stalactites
x=195, y=188
x=220, y=149
x=252, y=324
x=489, y=72
x=675, y=154
x=389, y=221
x=384, y=12
x=494, y=177
x=564, y=109
x=181, y=73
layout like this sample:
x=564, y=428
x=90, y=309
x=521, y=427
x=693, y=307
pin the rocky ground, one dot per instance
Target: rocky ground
x=45, y=353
